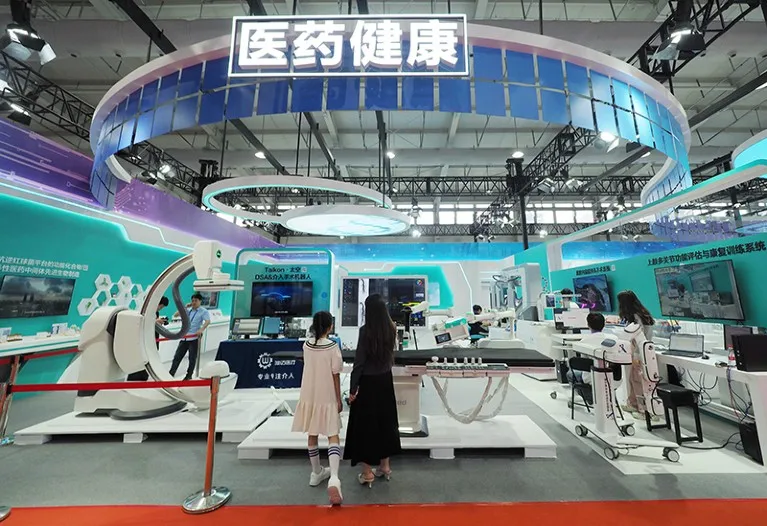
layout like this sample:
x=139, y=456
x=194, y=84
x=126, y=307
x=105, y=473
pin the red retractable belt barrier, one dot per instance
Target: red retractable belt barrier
x=100, y=386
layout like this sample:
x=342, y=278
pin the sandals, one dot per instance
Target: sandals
x=366, y=481
x=386, y=475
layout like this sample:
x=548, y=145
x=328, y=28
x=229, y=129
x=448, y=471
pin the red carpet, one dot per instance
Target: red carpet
x=644, y=513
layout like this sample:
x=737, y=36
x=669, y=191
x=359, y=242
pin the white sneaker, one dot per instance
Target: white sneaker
x=315, y=479
x=334, y=492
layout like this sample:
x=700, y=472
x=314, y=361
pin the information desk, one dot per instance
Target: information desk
x=255, y=365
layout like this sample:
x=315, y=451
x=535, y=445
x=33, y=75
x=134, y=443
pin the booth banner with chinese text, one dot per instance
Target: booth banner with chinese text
x=349, y=46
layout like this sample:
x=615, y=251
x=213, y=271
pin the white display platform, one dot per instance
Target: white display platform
x=643, y=461
x=445, y=436
x=238, y=415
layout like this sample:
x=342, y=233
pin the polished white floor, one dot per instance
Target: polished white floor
x=238, y=415
x=445, y=436
x=643, y=461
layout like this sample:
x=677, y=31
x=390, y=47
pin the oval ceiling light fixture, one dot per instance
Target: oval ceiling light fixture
x=333, y=220
x=345, y=220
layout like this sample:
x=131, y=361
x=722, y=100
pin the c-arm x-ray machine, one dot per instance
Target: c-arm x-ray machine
x=115, y=342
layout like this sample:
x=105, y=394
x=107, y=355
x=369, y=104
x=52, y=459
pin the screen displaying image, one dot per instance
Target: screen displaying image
x=700, y=290
x=209, y=299
x=593, y=293
x=399, y=293
x=30, y=297
x=281, y=298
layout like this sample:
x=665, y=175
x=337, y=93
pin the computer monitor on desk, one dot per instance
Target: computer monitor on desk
x=246, y=327
x=734, y=330
x=271, y=327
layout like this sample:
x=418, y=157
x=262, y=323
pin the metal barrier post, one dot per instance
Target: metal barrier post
x=200, y=343
x=6, y=396
x=210, y=498
x=5, y=512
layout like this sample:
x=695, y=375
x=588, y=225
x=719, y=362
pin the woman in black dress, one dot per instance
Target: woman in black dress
x=372, y=436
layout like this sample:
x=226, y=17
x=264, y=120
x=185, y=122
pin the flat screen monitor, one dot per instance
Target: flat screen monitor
x=281, y=298
x=399, y=293
x=699, y=291
x=32, y=296
x=209, y=299
x=271, y=326
x=593, y=293
x=735, y=330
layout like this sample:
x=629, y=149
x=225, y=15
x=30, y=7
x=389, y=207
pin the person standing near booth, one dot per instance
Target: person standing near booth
x=199, y=319
x=373, y=433
x=631, y=311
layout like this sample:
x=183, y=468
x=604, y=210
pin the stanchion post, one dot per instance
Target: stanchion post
x=210, y=498
x=5, y=512
x=6, y=396
x=200, y=342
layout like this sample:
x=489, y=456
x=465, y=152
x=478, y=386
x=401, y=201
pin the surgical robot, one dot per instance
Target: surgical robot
x=607, y=349
x=115, y=342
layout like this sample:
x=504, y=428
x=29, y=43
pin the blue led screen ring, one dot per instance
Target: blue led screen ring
x=513, y=74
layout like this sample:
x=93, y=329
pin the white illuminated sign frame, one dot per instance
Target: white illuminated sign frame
x=292, y=19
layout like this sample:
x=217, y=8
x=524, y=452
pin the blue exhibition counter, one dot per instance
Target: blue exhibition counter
x=253, y=362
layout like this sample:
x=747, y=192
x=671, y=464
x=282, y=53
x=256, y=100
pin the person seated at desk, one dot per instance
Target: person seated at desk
x=596, y=323
x=477, y=328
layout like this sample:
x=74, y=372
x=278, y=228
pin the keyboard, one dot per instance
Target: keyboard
x=684, y=354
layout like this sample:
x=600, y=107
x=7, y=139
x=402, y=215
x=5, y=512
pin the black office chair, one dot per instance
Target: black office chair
x=582, y=365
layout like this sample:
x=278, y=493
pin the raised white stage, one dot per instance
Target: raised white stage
x=238, y=415
x=643, y=461
x=445, y=436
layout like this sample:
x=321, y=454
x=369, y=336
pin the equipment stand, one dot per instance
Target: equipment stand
x=606, y=428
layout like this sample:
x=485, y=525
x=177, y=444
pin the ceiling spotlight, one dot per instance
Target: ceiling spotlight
x=390, y=154
x=543, y=233
x=610, y=231
x=481, y=237
x=518, y=155
x=295, y=190
x=607, y=137
x=646, y=154
x=261, y=155
x=394, y=189
x=342, y=237
x=636, y=237
x=624, y=237
x=20, y=40
x=164, y=169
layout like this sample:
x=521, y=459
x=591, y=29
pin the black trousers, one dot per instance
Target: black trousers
x=143, y=376
x=185, y=346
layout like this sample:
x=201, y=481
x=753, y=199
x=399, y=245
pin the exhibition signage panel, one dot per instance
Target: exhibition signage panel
x=349, y=46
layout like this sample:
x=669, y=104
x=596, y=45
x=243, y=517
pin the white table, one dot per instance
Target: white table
x=756, y=382
x=31, y=345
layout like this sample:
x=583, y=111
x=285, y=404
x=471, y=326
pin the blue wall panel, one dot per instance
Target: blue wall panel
x=272, y=98
x=524, y=102
x=186, y=114
x=163, y=118
x=418, y=93
x=190, y=80
x=381, y=93
x=144, y=127
x=582, y=112
x=307, y=95
x=212, y=107
x=216, y=73
x=149, y=96
x=605, y=118
x=550, y=73
x=168, y=87
x=554, y=107
x=626, y=128
x=240, y=103
x=520, y=67
x=601, y=86
x=343, y=94
x=577, y=79
x=488, y=90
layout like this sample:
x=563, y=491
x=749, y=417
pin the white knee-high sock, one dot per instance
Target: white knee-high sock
x=314, y=458
x=334, y=456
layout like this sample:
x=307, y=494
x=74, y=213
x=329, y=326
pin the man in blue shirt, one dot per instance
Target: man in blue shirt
x=199, y=319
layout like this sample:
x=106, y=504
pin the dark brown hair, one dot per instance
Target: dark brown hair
x=629, y=308
x=379, y=334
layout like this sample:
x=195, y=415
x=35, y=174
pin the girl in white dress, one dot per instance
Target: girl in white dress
x=319, y=404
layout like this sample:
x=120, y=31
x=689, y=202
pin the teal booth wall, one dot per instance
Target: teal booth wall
x=748, y=255
x=45, y=241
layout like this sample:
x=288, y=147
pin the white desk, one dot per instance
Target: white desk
x=756, y=382
x=31, y=345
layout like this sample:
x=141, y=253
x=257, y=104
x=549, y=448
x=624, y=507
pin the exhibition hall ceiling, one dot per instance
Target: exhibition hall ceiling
x=97, y=44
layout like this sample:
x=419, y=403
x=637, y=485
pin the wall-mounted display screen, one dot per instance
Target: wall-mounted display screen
x=593, y=293
x=396, y=292
x=281, y=298
x=699, y=290
x=30, y=297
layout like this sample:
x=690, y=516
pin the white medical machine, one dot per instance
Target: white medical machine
x=608, y=349
x=115, y=342
x=517, y=288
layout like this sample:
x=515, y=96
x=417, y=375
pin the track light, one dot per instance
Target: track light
x=390, y=154
x=607, y=137
x=416, y=233
x=518, y=155
x=164, y=169
x=543, y=233
x=295, y=190
x=646, y=154
x=261, y=155
x=636, y=237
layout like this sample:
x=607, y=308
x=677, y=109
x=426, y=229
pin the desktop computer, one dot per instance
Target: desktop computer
x=750, y=440
x=750, y=352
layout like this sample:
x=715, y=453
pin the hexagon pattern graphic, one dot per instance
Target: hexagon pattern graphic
x=121, y=293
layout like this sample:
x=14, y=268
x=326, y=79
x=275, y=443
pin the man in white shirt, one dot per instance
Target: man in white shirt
x=596, y=323
x=199, y=319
